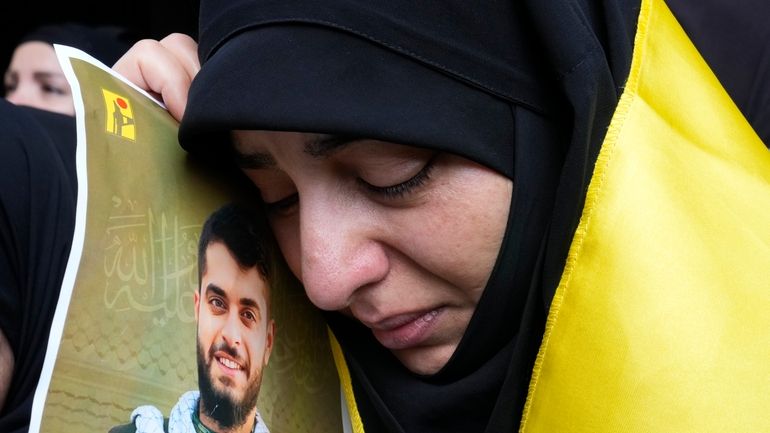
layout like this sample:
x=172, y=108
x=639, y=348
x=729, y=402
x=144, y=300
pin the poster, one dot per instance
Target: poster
x=125, y=330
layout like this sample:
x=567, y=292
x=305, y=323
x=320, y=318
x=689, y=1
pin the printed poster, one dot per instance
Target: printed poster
x=125, y=331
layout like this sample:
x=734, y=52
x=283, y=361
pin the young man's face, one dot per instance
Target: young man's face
x=401, y=238
x=235, y=335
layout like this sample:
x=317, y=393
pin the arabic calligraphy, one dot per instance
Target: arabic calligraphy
x=150, y=262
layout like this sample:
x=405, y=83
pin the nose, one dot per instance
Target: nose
x=231, y=331
x=24, y=94
x=341, y=249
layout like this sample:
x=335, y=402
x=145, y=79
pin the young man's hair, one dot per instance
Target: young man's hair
x=245, y=235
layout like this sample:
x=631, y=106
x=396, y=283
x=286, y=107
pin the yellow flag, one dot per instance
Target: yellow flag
x=661, y=322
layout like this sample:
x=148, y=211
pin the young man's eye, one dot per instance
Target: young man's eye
x=249, y=316
x=216, y=304
x=403, y=188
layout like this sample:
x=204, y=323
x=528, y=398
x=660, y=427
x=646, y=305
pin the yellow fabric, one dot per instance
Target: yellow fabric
x=346, y=384
x=661, y=322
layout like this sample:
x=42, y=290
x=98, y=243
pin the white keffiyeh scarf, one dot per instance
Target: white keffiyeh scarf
x=148, y=419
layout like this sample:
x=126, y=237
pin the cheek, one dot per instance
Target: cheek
x=468, y=215
x=256, y=347
x=286, y=232
x=205, y=332
x=65, y=106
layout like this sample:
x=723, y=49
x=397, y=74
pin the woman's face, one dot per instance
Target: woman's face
x=35, y=79
x=402, y=239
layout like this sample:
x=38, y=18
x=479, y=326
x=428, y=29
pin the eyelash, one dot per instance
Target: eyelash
x=282, y=205
x=406, y=187
x=47, y=88
x=388, y=192
x=218, y=304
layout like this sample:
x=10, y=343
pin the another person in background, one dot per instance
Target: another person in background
x=34, y=77
x=38, y=189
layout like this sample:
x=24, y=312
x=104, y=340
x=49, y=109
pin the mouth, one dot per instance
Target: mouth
x=405, y=331
x=227, y=364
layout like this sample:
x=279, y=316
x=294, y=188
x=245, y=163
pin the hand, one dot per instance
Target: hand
x=164, y=68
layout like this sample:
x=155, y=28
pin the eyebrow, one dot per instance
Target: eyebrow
x=246, y=302
x=321, y=147
x=326, y=145
x=48, y=75
x=253, y=160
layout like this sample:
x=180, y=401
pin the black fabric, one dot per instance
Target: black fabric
x=527, y=88
x=105, y=43
x=37, y=217
x=589, y=45
x=734, y=39
x=404, y=101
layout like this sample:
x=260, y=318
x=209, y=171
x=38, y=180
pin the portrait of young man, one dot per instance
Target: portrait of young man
x=235, y=333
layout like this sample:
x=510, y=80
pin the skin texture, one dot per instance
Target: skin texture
x=6, y=368
x=35, y=79
x=164, y=68
x=400, y=238
x=232, y=312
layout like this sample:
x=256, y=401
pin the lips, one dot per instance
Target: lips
x=227, y=364
x=405, y=331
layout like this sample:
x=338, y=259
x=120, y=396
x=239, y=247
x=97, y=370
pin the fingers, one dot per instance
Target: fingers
x=186, y=51
x=164, y=68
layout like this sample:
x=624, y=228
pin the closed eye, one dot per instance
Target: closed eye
x=283, y=206
x=402, y=189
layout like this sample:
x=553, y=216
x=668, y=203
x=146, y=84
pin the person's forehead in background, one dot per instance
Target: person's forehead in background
x=35, y=79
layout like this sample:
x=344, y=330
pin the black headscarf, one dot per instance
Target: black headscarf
x=105, y=43
x=38, y=189
x=526, y=88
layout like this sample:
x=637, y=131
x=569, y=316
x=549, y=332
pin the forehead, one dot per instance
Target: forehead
x=35, y=54
x=256, y=149
x=224, y=271
x=262, y=149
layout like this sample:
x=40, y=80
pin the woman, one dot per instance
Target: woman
x=37, y=195
x=399, y=201
x=34, y=77
x=38, y=190
x=425, y=168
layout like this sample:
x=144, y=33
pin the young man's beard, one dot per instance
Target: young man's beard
x=223, y=406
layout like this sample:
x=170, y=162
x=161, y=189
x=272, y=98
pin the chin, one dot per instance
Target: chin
x=424, y=361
